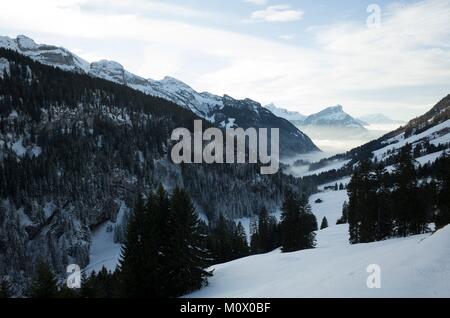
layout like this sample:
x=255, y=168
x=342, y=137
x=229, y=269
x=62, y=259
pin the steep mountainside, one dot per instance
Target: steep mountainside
x=205, y=105
x=75, y=150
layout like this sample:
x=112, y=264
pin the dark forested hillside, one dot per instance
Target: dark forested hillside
x=74, y=149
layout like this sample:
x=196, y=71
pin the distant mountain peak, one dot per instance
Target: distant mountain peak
x=333, y=116
x=337, y=108
x=25, y=42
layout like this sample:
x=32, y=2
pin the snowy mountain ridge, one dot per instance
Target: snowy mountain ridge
x=168, y=88
x=286, y=114
x=225, y=111
x=333, y=116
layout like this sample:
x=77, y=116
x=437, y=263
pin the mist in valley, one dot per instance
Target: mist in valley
x=332, y=141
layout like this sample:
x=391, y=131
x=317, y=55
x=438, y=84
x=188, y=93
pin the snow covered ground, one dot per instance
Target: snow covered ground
x=104, y=252
x=430, y=158
x=436, y=135
x=331, y=206
x=417, y=266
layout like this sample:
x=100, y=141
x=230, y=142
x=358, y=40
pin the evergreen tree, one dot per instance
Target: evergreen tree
x=187, y=257
x=289, y=223
x=410, y=213
x=156, y=240
x=87, y=285
x=6, y=290
x=308, y=226
x=132, y=260
x=442, y=217
x=383, y=206
x=220, y=241
x=266, y=235
x=44, y=283
x=254, y=243
x=66, y=292
x=240, y=245
x=354, y=206
x=264, y=240
x=344, y=217
x=297, y=225
x=140, y=266
x=324, y=223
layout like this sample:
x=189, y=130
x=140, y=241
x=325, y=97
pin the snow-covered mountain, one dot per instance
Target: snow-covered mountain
x=379, y=119
x=292, y=116
x=168, y=88
x=333, y=117
x=74, y=152
x=224, y=111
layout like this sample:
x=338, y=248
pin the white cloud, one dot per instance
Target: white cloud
x=131, y=6
x=278, y=13
x=257, y=2
x=401, y=68
x=287, y=37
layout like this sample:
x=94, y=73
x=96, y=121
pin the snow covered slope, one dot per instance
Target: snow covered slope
x=436, y=135
x=330, y=207
x=417, y=266
x=104, y=251
x=224, y=111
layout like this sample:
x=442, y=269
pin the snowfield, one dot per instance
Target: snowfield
x=436, y=135
x=417, y=266
x=331, y=207
x=104, y=252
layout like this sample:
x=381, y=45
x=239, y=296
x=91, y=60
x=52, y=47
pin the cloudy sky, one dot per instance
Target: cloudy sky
x=302, y=55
